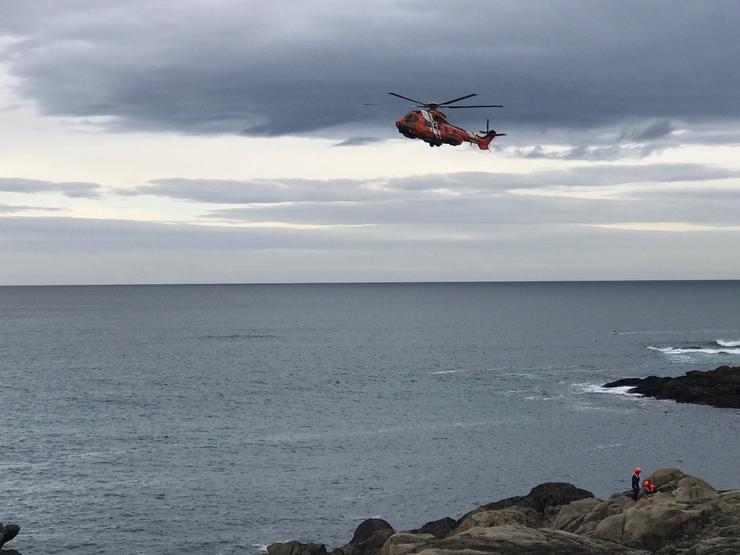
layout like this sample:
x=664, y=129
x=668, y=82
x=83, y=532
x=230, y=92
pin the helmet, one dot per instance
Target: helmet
x=638, y=469
x=646, y=482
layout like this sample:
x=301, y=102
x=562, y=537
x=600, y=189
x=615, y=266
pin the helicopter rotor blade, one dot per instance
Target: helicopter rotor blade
x=457, y=99
x=409, y=99
x=476, y=106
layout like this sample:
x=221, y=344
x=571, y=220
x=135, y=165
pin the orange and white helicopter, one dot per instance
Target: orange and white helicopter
x=431, y=125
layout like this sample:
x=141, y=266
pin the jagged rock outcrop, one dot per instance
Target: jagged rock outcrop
x=438, y=528
x=296, y=548
x=368, y=538
x=7, y=533
x=686, y=516
x=718, y=388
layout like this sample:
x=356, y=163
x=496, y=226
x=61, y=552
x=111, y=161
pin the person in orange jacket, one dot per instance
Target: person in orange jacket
x=648, y=487
x=636, y=483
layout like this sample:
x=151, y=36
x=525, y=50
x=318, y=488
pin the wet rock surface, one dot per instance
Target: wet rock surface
x=686, y=516
x=7, y=533
x=718, y=388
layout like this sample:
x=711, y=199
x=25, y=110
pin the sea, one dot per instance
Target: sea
x=217, y=419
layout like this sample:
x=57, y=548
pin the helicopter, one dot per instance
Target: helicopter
x=431, y=125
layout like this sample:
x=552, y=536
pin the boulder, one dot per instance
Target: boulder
x=511, y=539
x=368, y=538
x=496, y=517
x=405, y=543
x=572, y=516
x=438, y=528
x=8, y=532
x=296, y=548
x=540, y=498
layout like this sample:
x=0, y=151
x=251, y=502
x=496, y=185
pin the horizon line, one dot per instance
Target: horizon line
x=431, y=282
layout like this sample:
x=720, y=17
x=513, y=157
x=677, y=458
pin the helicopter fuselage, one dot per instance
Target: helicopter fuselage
x=432, y=127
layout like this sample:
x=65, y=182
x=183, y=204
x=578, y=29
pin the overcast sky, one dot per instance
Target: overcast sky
x=160, y=141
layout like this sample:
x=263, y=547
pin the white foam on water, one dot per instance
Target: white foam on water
x=621, y=390
x=728, y=342
x=445, y=372
x=694, y=350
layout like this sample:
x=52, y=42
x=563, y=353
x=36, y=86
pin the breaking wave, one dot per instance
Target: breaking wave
x=728, y=343
x=622, y=390
x=695, y=350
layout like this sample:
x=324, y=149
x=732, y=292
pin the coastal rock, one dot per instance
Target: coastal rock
x=405, y=543
x=438, y=528
x=541, y=499
x=686, y=516
x=718, y=388
x=368, y=538
x=509, y=539
x=8, y=532
x=296, y=548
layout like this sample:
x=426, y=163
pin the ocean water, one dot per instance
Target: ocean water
x=218, y=419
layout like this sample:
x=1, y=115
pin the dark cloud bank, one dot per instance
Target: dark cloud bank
x=244, y=67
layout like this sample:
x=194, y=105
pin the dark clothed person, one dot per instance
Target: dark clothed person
x=636, y=483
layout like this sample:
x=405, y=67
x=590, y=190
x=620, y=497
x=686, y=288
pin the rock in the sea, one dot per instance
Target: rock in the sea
x=718, y=388
x=296, y=548
x=8, y=532
x=368, y=538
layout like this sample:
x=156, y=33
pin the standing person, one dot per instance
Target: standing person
x=636, y=483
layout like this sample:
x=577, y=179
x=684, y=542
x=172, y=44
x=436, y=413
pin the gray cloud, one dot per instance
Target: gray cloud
x=13, y=208
x=67, y=188
x=588, y=152
x=422, y=187
x=359, y=141
x=636, y=141
x=501, y=209
x=258, y=191
x=655, y=130
x=691, y=193
x=243, y=67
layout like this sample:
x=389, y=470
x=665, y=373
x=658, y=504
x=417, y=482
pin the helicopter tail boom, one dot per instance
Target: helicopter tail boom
x=486, y=139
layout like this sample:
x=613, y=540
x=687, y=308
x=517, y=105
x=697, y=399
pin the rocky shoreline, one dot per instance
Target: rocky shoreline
x=718, y=388
x=7, y=533
x=685, y=516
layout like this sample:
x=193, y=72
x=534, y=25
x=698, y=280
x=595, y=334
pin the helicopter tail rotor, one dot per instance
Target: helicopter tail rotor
x=487, y=135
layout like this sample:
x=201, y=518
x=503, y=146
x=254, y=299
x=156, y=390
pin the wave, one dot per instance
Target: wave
x=623, y=390
x=728, y=343
x=445, y=372
x=695, y=350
